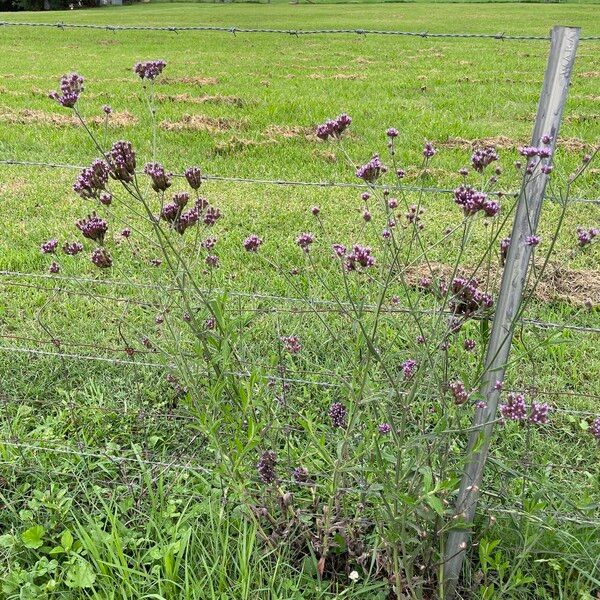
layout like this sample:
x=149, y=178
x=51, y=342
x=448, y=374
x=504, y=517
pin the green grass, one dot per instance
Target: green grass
x=147, y=532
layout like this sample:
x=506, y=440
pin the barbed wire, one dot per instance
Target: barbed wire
x=289, y=32
x=298, y=183
x=333, y=306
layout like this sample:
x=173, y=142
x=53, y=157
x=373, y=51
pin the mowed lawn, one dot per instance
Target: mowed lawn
x=246, y=106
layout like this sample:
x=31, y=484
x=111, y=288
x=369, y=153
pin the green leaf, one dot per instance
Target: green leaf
x=66, y=539
x=80, y=575
x=436, y=504
x=33, y=537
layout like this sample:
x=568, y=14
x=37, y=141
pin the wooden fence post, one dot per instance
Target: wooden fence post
x=564, y=41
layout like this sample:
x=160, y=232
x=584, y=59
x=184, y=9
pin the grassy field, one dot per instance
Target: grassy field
x=246, y=106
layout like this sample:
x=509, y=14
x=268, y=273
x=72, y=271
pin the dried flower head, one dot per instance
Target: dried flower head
x=266, y=466
x=101, y=258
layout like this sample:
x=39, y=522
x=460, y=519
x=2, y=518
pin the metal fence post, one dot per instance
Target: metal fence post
x=563, y=48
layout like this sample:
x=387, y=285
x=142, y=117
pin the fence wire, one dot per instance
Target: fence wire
x=296, y=183
x=290, y=32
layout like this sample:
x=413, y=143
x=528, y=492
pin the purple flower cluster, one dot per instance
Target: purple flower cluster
x=252, y=243
x=101, y=258
x=93, y=227
x=472, y=201
x=595, y=428
x=334, y=127
x=54, y=268
x=266, y=466
x=533, y=151
x=372, y=170
x=71, y=87
x=515, y=408
x=92, y=180
x=586, y=236
x=384, y=428
x=72, y=248
x=338, y=414
x=194, y=177
x=428, y=150
x=291, y=344
x=469, y=345
x=532, y=240
x=209, y=243
x=504, y=246
x=181, y=220
x=538, y=413
x=467, y=299
x=359, y=257
x=161, y=180
x=49, y=247
x=121, y=160
x=459, y=391
x=300, y=475
x=149, y=69
x=408, y=368
x=304, y=240
x=392, y=133
x=483, y=157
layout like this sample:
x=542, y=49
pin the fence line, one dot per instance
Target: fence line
x=291, y=32
x=296, y=183
x=334, y=307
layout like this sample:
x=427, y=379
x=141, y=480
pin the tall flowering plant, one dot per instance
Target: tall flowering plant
x=370, y=461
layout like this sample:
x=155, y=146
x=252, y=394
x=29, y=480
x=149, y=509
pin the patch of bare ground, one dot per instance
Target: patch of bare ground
x=590, y=74
x=205, y=99
x=236, y=144
x=12, y=187
x=191, y=80
x=579, y=118
x=201, y=123
x=290, y=132
x=503, y=142
x=28, y=116
x=325, y=155
x=558, y=284
x=109, y=42
x=346, y=76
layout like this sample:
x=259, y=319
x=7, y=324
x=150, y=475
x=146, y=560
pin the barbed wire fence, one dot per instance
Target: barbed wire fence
x=126, y=356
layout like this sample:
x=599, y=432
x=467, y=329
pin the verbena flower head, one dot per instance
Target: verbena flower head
x=105, y=198
x=180, y=199
x=121, y=160
x=334, y=127
x=409, y=368
x=92, y=180
x=209, y=243
x=359, y=257
x=291, y=344
x=72, y=248
x=149, y=69
x=586, y=236
x=384, y=428
x=338, y=414
x=481, y=158
x=71, y=86
x=372, y=170
x=101, y=258
x=266, y=466
x=49, y=247
x=466, y=297
x=538, y=413
x=595, y=428
x=107, y=110
x=339, y=250
x=93, y=227
x=469, y=345
x=211, y=216
x=212, y=261
x=532, y=240
x=54, y=268
x=300, y=475
x=304, y=240
x=472, y=201
x=459, y=392
x=161, y=180
x=429, y=150
x=515, y=408
x=193, y=176
x=392, y=133
x=252, y=243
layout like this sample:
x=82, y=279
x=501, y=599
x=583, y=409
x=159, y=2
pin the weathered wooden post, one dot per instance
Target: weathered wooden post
x=563, y=48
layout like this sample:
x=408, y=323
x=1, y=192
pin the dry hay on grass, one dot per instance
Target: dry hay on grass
x=29, y=116
x=190, y=80
x=344, y=76
x=205, y=99
x=590, y=74
x=503, y=142
x=235, y=145
x=290, y=132
x=13, y=186
x=202, y=123
x=578, y=287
